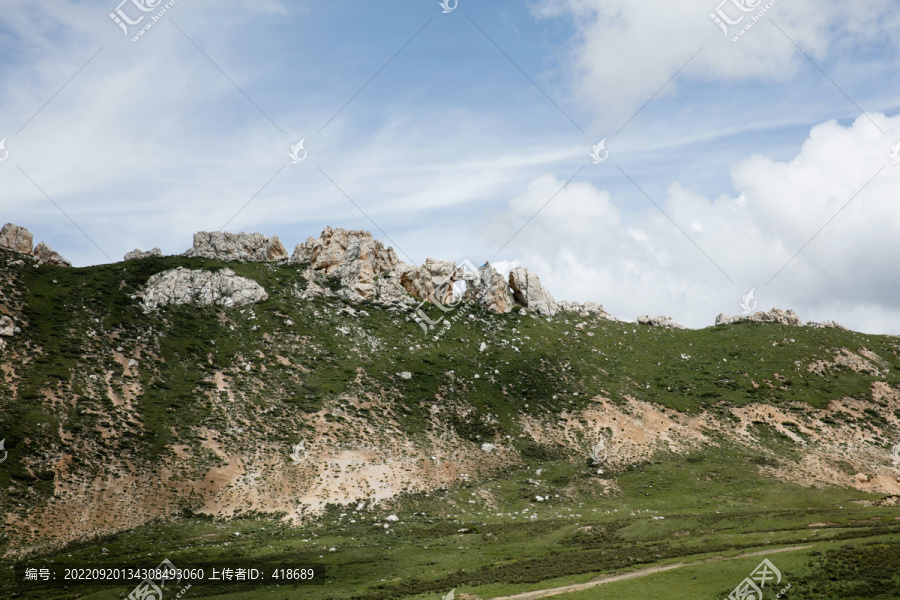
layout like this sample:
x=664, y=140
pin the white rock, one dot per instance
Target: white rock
x=406, y=375
x=200, y=288
x=137, y=254
x=15, y=238
x=529, y=292
x=246, y=247
x=7, y=326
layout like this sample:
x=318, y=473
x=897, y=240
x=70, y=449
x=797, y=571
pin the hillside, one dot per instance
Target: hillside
x=125, y=412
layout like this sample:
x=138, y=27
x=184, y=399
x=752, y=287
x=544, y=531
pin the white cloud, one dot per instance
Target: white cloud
x=583, y=247
x=624, y=51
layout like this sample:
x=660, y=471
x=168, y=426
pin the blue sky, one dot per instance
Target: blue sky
x=470, y=122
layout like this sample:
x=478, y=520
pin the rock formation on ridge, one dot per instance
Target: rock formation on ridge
x=19, y=239
x=138, y=254
x=776, y=315
x=245, y=247
x=528, y=291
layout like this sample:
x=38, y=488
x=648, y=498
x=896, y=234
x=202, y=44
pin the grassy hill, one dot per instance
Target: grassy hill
x=168, y=435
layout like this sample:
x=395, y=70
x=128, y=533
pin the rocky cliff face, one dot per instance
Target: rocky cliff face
x=244, y=247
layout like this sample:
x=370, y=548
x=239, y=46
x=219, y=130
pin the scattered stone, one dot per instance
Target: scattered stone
x=488, y=447
x=660, y=321
x=200, y=288
x=405, y=375
x=45, y=255
x=245, y=247
x=15, y=238
x=392, y=518
x=489, y=289
x=776, y=315
x=137, y=254
x=529, y=292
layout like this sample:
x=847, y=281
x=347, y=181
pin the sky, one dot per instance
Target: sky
x=757, y=154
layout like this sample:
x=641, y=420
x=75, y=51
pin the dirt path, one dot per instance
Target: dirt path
x=633, y=574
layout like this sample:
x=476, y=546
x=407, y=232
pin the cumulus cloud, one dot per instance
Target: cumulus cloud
x=825, y=222
x=624, y=51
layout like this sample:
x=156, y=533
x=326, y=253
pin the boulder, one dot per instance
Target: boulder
x=245, y=247
x=354, y=257
x=528, y=291
x=139, y=254
x=18, y=239
x=489, y=289
x=200, y=288
x=661, y=321
x=45, y=255
x=776, y=315
x=7, y=326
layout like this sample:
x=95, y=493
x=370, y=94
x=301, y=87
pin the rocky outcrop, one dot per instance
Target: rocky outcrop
x=245, y=247
x=19, y=239
x=433, y=281
x=528, y=291
x=660, y=321
x=354, y=257
x=585, y=309
x=140, y=254
x=45, y=255
x=200, y=288
x=489, y=289
x=776, y=315
x=824, y=324
x=15, y=238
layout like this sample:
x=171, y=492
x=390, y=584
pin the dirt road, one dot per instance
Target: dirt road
x=633, y=574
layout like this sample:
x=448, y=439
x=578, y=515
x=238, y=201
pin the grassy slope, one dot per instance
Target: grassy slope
x=543, y=366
